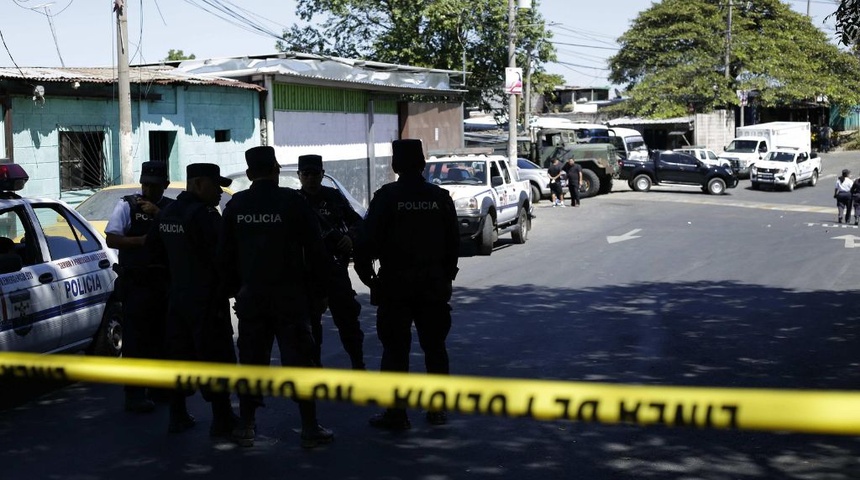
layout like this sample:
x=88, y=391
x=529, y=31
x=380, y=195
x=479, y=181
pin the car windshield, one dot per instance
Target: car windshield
x=461, y=172
x=742, y=146
x=100, y=205
x=526, y=164
x=779, y=157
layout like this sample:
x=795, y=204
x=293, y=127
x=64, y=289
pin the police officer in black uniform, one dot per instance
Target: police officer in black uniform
x=143, y=283
x=272, y=250
x=339, y=223
x=411, y=228
x=185, y=235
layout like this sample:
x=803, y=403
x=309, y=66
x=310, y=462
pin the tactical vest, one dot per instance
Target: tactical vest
x=140, y=224
x=190, y=251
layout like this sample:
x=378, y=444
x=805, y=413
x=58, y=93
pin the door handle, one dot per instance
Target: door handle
x=104, y=263
x=46, y=278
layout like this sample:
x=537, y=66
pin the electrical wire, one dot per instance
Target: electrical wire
x=3, y=39
x=54, y=33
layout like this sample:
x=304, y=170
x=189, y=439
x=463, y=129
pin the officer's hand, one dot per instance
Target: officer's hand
x=344, y=245
x=148, y=207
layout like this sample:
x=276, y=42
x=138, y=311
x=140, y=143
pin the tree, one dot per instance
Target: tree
x=673, y=58
x=848, y=22
x=432, y=34
x=177, y=55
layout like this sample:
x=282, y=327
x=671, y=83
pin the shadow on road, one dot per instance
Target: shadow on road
x=701, y=334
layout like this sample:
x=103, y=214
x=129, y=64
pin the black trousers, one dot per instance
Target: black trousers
x=144, y=317
x=257, y=334
x=432, y=319
x=345, y=311
x=574, y=193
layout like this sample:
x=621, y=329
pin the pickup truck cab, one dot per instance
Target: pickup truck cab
x=786, y=168
x=668, y=167
x=489, y=197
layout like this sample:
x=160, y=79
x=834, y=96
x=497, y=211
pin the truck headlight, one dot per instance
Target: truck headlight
x=466, y=205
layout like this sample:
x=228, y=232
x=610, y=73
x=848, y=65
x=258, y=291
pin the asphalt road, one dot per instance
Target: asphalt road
x=668, y=287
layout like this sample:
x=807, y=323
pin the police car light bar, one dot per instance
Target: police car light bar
x=13, y=177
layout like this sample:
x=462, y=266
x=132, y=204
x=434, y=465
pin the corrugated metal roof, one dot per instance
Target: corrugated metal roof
x=163, y=75
x=318, y=69
x=649, y=121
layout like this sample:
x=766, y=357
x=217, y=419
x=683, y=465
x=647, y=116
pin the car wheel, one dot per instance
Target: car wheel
x=535, y=193
x=108, y=340
x=814, y=180
x=791, y=184
x=630, y=184
x=716, y=186
x=521, y=233
x=590, y=184
x=485, y=239
x=642, y=183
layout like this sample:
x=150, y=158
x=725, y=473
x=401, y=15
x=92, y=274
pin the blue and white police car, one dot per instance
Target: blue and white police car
x=56, y=277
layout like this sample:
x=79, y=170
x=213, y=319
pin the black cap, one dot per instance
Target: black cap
x=846, y=172
x=195, y=170
x=407, y=154
x=154, y=172
x=261, y=158
x=310, y=162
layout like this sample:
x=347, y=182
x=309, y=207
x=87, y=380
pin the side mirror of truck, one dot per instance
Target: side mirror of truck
x=497, y=181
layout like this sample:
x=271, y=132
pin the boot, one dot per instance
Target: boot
x=224, y=421
x=245, y=430
x=180, y=420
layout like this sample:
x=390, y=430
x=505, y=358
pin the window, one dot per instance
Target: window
x=65, y=234
x=82, y=158
x=505, y=172
x=18, y=232
x=222, y=136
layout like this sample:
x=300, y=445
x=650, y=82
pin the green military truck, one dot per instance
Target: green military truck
x=599, y=161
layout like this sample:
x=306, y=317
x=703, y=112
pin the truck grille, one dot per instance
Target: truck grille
x=768, y=170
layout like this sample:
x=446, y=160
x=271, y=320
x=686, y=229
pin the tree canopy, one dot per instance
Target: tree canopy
x=672, y=59
x=174, y=55
x=432, y=34
x=848, y=22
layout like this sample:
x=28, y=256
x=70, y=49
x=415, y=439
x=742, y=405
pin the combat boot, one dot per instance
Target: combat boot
x=391, y=419
x=315, y=436
x=244, y=433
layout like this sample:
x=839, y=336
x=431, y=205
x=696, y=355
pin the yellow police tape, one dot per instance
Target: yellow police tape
x=833, y=412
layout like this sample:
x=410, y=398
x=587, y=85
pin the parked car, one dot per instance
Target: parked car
x=537, y=177
x=98, y=207
x=668, y=167
x=706, y=155
x=55, y=269
x=289, y=177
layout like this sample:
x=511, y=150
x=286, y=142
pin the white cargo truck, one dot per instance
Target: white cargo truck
x=753, y=142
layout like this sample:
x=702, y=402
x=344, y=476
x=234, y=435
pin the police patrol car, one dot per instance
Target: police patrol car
x=56, y=277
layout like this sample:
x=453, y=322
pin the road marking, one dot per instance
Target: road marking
x=627, y=236
x=850, y=240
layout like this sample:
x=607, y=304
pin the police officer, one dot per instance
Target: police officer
x=339, y=223
x=270, y=246
x=143, y=282
x=185, y=235
x=411, y=228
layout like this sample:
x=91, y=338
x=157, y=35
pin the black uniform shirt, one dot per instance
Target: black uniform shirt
x=140, y=223
x=337, y=217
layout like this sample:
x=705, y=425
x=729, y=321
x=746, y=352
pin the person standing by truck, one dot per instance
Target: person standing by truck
x=842, y=194
x=574, y=180
x=554, y=173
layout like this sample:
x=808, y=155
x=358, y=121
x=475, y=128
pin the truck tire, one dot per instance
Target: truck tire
x=716, y=186
x=630, y=184
x=814, y=180
x=108, y=339
x=642, y=183
x=484, y=242
x=791, y=184
x=590, y=184
x=520, y=233
x=535, y=194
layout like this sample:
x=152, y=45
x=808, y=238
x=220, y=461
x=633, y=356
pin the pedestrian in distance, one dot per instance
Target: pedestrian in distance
x=339, y=223
x=824, y=137
x=272, y=250
x=142, y=282
x=557, y=192
x=199, y=328
x=574, y=180
x=411, y=229
x=842, y=194
x=855, y=197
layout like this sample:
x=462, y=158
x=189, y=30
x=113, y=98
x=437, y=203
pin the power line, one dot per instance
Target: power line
x=3, y=39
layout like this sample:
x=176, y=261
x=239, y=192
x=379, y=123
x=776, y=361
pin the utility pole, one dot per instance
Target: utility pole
x=729, y=41
x=512, y=98
x=126, y=167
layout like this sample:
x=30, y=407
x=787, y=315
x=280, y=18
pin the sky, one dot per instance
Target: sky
x=81, y=33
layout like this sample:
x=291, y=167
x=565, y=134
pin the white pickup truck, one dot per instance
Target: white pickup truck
x=753, y=142
x=786, y=167
x=489, y=197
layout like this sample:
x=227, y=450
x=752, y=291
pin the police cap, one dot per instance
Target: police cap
x=261, y=159
x=407, y=154
x=310, y=162
x=846, y=172
x=154, y=172
x=202, y=170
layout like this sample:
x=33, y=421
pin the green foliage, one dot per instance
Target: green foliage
x=176, y=55
x=848, y=22
x=672, y=59
x=432, y=34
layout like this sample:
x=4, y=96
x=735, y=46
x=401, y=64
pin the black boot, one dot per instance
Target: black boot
x=180, y=420
x=223, y=418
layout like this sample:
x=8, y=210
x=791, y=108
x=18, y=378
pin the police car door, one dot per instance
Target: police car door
x=508, y=195
x=83, y=272
x=30, y=319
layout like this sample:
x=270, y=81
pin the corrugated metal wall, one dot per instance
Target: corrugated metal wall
x=438, y=125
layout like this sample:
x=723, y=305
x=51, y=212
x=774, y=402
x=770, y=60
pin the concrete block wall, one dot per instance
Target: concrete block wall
x=714, y=130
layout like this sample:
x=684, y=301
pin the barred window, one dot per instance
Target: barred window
x=82, y=158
